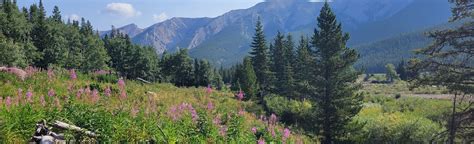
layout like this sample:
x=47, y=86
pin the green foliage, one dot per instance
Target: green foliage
x=260, y=57
x=282, y=59
x=334, y=78
x=145, y=115
x=246, y=79
x=391, y=73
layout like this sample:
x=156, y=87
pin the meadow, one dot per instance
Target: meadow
x=130, y=111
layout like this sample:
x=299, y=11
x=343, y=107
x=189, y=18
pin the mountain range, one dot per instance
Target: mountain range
x=225, y=40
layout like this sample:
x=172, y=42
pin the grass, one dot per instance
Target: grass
x=146, y=114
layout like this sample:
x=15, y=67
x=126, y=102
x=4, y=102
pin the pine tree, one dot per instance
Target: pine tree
x=39, y=33
x=75, y=57
x=448, y=62
x=334, y=78
x=260, y=57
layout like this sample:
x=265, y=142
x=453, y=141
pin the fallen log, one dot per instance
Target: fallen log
x=67, y=126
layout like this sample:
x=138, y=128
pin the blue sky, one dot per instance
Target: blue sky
x=104, y=13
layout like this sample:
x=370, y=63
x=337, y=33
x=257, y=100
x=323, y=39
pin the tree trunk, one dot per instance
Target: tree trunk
x=452, y=127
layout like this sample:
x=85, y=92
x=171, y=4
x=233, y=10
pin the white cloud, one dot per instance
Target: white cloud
x=161, y=17
x=124, y=10
x=74, y=17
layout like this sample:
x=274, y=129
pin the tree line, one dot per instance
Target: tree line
x=30, y=38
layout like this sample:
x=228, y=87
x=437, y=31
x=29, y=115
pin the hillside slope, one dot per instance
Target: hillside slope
x=127, y=111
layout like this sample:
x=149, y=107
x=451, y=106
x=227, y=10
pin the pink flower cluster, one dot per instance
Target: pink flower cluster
x=50, y=74
x=209, y=89
x=240, y=95
x=176, y=112
x=210, y=106
x=123, y=92
x=16, y=71
x=72, y=74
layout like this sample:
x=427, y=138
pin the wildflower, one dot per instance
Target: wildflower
x=79, y=93
x=121, y=83
x=123, y=95
x=271, y=129
x=217, y=120
x=8, y=102
x=101, y=72
x=273, y=119
x=16, y=71
x=254, y=130
x=194, y=114
x=50, y=74
x=223, y=130
x=209, y=89
x=286, y=134
x=240, y=95
x=241, y=112
x=29, y=96
x=87, y=91
x=19, y=95
x=173, y=113
x=261, y=141
x=210, y=106
x=42, y=101
x=134, y=111
x=72, y=74
x=107, y=91
x=95, y=96
x=30, y=71
x=51, y=93
x=299, y=141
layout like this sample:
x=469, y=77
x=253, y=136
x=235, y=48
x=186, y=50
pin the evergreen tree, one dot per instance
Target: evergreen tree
x=184, y=69
x=282, y=58
x=401, y=70
x=39, y=33
x=304, y=68
x=10, y=53
x=449, y=62
x=334, y=79
x=246, y=79
x=56, y=15
x=260, y=57
x=75, y=57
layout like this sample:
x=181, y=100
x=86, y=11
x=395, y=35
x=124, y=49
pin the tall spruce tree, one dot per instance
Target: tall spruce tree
x=334, y=78
x=449, y=62
x=282, y=60
x=304, y=68
x=260, y=57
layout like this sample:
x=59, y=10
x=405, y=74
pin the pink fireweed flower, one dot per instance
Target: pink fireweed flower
x=217, y=120
x=241, y=112
x=173, y=113
x=209, y=89
x=121, y=83
x=95, y=96
x=51, y=93
x=42, y=101
x=29, y=96
x=79, y=93
x=194, y=114
x=101, y=72
x=108, y=91
x=87, y=91
x=223, y=130
x=134, y=111
x=271, y=130
x=286, y=134
x=123, y=95
x=273, y=119
x=30, y=71
x=19, y=95
x=210, y=106
x=50, y=74
x=261, y=141
x=240, y=95
x=8, y=102
x=254, y=130
x=72, y=74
